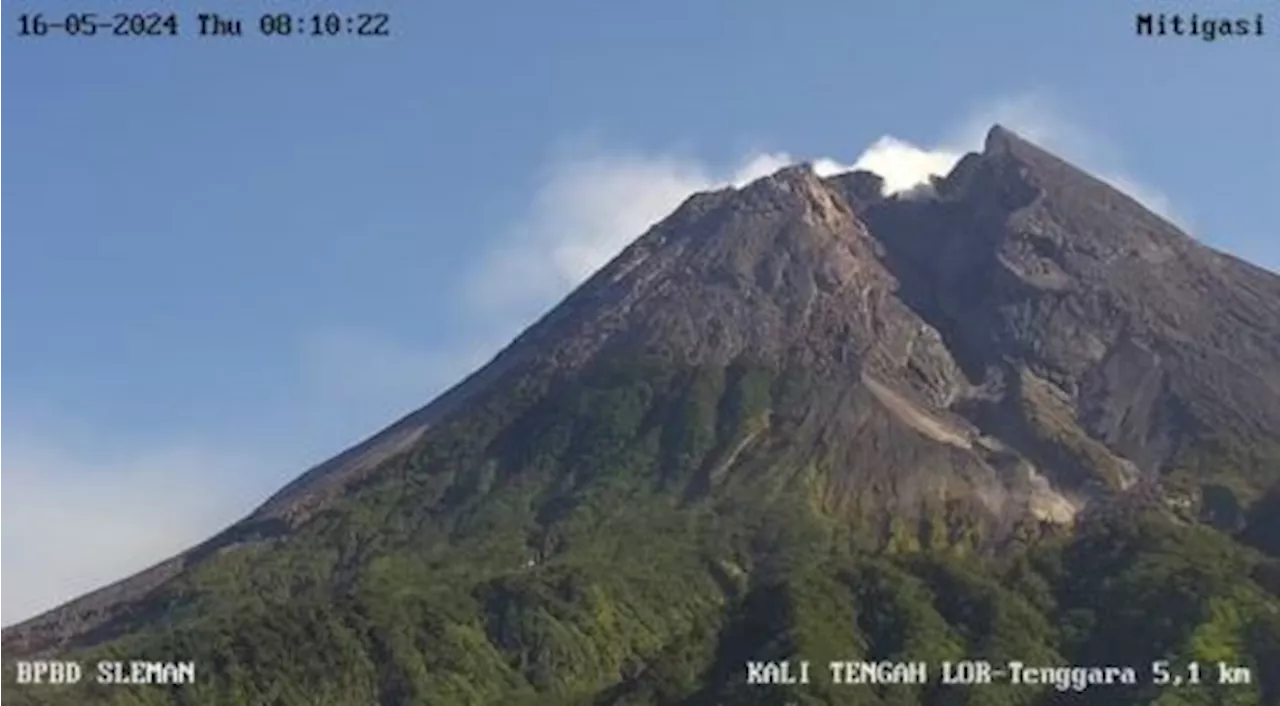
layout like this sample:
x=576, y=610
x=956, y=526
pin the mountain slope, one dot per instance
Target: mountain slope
x=1004, y=417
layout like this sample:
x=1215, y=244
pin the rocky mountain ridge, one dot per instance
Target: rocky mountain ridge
x=1004, y=359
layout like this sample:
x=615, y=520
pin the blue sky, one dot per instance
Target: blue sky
x=229, y=259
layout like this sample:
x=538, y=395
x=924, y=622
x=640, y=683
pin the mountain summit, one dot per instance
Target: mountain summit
x=998, y=417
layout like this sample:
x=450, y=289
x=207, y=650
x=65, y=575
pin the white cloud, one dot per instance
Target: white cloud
x=587, y=208
x=904, y=166
x=1034, y=116
x=825, y=167
x=75, y=521
x=592, y=204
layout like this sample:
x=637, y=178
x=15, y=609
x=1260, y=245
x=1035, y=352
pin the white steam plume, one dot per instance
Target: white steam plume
x=591, y=205
x=905, y=166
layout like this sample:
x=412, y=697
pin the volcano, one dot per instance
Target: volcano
x=1011, y=415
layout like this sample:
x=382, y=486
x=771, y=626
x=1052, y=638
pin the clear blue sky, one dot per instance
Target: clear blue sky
x=231, y=258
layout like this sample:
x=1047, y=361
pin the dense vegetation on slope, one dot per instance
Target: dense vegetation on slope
x=562, y=545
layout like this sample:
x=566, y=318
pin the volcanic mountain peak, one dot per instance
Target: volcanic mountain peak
x=1002, y=140
x=966, y=369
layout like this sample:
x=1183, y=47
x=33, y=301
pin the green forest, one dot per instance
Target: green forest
x=639, y=532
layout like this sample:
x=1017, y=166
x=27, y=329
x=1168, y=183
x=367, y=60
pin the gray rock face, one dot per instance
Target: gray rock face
x=1151, y=337
x=1018, y=346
